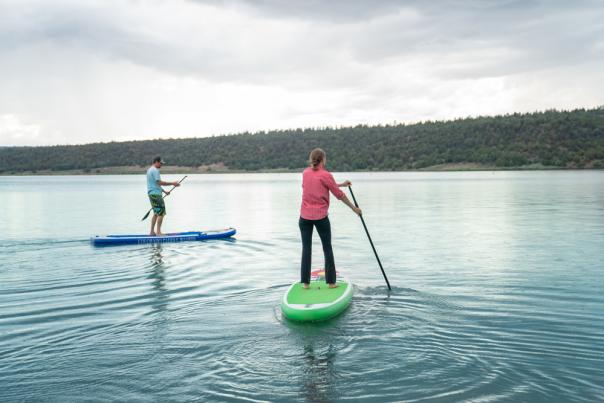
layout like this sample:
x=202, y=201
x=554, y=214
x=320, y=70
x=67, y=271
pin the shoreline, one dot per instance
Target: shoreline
x=108, y=171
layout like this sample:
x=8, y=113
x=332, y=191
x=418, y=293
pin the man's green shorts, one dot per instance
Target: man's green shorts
x=157, y=203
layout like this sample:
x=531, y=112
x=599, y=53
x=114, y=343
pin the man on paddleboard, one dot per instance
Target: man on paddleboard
x=154, y=190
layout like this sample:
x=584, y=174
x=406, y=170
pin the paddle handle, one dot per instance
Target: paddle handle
x=370, y=240
x=174, y=187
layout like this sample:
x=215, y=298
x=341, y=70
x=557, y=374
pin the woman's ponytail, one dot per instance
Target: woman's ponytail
x=315, y=158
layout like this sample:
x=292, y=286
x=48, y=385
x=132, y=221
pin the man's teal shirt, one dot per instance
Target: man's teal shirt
x=152, y=177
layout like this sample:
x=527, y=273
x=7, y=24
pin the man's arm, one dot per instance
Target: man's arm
x=164, y=183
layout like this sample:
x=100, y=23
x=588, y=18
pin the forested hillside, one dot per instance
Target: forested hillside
x=573, y=139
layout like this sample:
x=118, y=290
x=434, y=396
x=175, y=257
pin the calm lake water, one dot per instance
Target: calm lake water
x=498, y=291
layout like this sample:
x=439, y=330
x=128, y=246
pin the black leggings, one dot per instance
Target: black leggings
x=324, y=230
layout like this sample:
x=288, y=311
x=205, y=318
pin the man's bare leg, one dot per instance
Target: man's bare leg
x=159, y=221
x=153, y=220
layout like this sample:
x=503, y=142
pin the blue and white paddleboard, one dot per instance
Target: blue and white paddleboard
x=108, y=240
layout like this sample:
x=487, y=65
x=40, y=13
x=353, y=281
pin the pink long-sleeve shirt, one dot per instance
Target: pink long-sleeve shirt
x=316, y=186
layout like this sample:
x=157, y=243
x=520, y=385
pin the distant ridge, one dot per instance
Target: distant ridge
x=550, y=139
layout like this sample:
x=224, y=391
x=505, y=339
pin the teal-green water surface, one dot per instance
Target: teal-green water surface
x=498, y=291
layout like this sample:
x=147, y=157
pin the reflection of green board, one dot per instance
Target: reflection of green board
x=319, y=302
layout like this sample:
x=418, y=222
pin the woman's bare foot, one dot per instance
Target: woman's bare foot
x=335, y=285
x=152, y=234
x=306, y=286
x=160, y=234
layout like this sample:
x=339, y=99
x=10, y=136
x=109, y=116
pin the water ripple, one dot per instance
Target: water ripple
x=503, y=305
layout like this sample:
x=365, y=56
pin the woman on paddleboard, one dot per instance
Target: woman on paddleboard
x=317, y=182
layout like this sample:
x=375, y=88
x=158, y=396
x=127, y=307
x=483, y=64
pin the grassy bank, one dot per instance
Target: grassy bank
x=172, y=170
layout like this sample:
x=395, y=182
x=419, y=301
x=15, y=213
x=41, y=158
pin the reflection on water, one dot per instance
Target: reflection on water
x=158, y=278
x=157, y=259
x=497, y=291
x=318, y=374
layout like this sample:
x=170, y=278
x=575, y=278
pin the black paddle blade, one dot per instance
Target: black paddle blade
x=146, y=215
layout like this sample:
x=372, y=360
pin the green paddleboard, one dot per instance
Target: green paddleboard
x=317, y=303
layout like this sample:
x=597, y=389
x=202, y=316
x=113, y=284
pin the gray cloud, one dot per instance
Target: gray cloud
x=486, y=38
x=345, y=11
x=333, y=11
x=332, y=61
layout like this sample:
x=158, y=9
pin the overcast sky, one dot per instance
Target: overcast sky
x=77, y=71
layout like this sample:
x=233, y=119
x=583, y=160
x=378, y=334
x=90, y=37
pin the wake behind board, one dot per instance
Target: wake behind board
x=109, y=240
x=317, y=303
